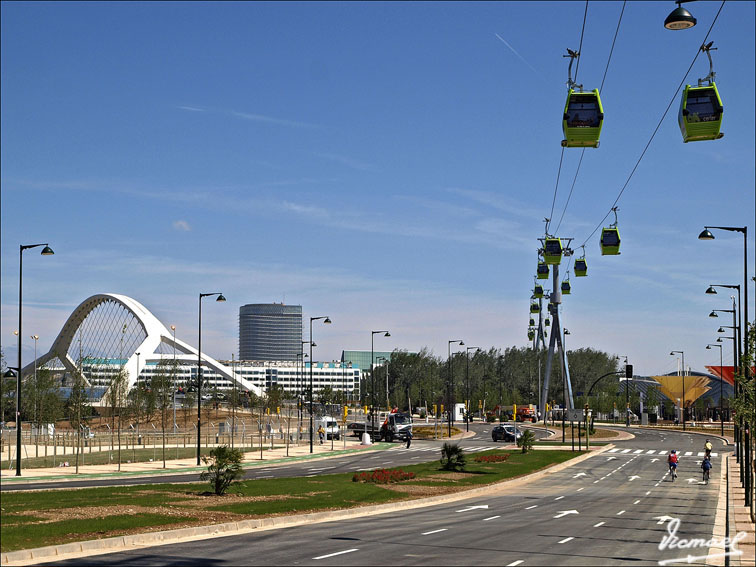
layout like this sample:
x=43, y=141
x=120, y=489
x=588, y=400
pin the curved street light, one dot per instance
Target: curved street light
x=199, y=367
x=326, y=321
x=451, y=382
x=373, y=416
x=46, y=251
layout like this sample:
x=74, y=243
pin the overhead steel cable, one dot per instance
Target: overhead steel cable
x=661, y=120
x=561, y=157
x=601, y=88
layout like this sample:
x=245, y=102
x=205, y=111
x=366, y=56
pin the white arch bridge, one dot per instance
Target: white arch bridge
x=107, y=332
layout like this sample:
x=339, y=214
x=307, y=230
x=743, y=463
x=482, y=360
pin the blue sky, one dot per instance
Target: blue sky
x=389, y=165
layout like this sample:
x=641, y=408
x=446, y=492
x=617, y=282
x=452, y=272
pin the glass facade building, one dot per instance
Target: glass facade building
x=270, y=331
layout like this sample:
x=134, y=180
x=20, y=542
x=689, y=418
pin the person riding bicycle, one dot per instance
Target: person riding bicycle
x=706, y=467
x=672, y=462
x=707, y=448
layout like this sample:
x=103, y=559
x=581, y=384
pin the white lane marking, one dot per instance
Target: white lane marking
x=613, y=450
x=562, y=513
x=648, y=492
x=598, y=525
x=310, y=475
x=335, y=554
x=531, y=507
x=478, y=507
x=637, y=451
x=565, y=540
x=715, y=454
x=491, y=518
x=620, y=512
x=435, y=531
x=558, y=497
x=688, y=453
x=595, y=481
x=626, y=450
x=700, y=454
x=651, y=452
x=267, y=476
x=636, y=502
x=514, y=563
x=632, y=478
x=579, y=489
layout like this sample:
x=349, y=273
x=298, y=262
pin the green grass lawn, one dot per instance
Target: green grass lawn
x=37, y=519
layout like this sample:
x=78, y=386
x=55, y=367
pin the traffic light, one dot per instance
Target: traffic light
x=435, y=410
x=628, y=371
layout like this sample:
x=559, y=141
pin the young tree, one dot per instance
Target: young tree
x=115, y=398
x=162, y=388
x=78, y=410
x=224, y=466
x=40, y=400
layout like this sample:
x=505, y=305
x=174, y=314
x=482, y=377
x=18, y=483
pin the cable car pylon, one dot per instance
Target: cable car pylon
x=555, y=341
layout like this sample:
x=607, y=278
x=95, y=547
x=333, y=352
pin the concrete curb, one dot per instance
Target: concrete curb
x=139, y=541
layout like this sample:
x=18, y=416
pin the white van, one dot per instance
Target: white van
x=331, y=426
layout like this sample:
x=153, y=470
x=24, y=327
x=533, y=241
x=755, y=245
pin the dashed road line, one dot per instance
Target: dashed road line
x=335, y=554
x=599, y=524
x=558, y=497
x=620, y=512
x=531, y=507
x=514, y=563
x=636, y=502
x=435, y=531
x=491, y=518
x=565, y=540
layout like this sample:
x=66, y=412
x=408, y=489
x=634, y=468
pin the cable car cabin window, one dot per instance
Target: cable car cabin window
x=553, y=248
x=583, y=112
x=610, y=238
x=702, y=106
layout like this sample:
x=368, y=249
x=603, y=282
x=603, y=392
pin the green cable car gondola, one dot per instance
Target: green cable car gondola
x=531, y=334
x=610, y=238
x=583, y=114
x=532, y=322
x=538, y=291
x=543, y=271
x=547, y=323
x=552, y=250
x=582, y=120
x=566, y=288
x=535, y=308
x=700, y=116
x=581, y=268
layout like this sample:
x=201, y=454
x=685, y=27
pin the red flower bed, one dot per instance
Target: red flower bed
x=491, y=458
x=383, y=476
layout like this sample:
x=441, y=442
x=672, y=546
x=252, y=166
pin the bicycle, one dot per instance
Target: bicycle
x=673, y=472
x=706, y=476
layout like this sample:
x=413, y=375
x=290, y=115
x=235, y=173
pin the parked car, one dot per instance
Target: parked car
x=505, y=433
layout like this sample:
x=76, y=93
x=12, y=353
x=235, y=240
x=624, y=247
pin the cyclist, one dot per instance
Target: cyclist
x=707, y=448
x=706, y=467
x=672, y=462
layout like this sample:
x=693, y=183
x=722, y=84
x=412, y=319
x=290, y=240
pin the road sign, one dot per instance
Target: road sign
x=574, y=415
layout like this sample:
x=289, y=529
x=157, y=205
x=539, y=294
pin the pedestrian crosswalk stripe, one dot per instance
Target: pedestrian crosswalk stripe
x=637, y=451
x=688, y=453
x=651, y=452
x=613, y=450
x=626, y=450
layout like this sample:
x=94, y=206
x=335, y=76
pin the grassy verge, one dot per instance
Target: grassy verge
x=37, y=519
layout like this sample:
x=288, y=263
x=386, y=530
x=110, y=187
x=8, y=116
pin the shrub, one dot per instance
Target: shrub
x=526, y=441
x=491, y=417
x=383, y=476
x=491, y=458
x=224, y=467
x=452, y=457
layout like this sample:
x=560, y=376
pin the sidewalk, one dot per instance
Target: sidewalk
x=740, y=520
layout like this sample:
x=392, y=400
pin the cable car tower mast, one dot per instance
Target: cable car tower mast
x=555, y=341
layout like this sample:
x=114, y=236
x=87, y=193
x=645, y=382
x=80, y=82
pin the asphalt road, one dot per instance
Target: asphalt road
x=607, y=510
x=420, y=451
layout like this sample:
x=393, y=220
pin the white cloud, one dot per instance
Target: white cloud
x=181, y=225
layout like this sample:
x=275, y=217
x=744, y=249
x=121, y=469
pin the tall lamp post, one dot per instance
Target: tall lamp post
x=721, y=407
x=451, y=382
x=46, y=251
x=673, y=353
x=327, y=321
x=199, y=368
x=373, y=417
x=467, y=384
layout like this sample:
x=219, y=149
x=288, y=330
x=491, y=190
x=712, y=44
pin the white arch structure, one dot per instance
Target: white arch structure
x=153, y=331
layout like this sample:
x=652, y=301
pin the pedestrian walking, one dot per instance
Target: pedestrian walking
x=409, y=439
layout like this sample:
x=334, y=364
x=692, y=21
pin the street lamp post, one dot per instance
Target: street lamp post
x=327, y=321
x=683, y=382
x=199, y=368
x=373, y=423
x=721, y=407
x=46, y=251
x=451, y=382
x=467, y=384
